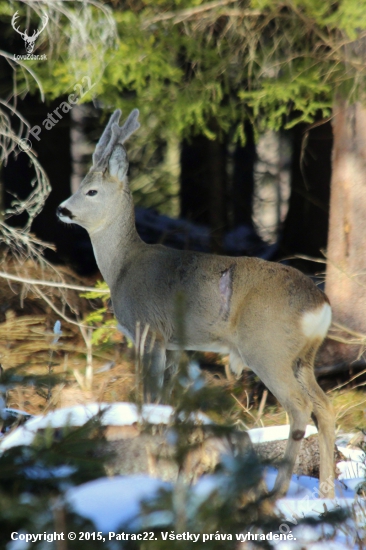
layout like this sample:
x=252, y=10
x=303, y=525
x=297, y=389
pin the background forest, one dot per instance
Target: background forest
x=252, y=141
x=213, y=81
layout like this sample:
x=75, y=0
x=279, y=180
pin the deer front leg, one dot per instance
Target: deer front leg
x=171, y=369
x=152, y=359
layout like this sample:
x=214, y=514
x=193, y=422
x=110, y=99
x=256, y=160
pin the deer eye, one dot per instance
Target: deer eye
x=92, y=192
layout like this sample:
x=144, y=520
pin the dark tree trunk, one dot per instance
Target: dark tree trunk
x=203, y=194
x=243, y=180
x=306, y=225
x=54, y=153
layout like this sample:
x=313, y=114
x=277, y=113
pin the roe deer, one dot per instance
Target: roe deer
x=267, y=316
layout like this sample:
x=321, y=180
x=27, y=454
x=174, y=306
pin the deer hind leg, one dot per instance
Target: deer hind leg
x=278, y=376
x=323, y=416
x=298, y=407
x=298, y=410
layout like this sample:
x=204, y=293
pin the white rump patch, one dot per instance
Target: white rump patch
x=315, y=324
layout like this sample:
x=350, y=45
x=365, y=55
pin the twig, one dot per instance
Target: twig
x=305, y=257
x=53, y=284
x=348, y=381
x=49, y=393
x=87, y=335
x=26, y=68
x=58, y=311
x=228, y=373
x=358, y=386
x=179, y=16
x=143, y=339
x=246, y=410
x=261, y=406
x=358, y=335
x=340, y=414
x=54, y=398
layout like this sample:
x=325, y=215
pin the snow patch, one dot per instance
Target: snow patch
x=275, y=433
x=113, y=503
x=116, y=414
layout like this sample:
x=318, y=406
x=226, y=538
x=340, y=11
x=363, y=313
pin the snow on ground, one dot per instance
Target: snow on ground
x=275, y=433
x=306, y=487
x=115, y=503
x=115, y=414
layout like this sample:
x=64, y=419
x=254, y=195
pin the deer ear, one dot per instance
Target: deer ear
x=118, y=163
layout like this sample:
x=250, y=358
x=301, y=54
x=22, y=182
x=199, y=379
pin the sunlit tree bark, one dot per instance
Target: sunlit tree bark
x=346, y=267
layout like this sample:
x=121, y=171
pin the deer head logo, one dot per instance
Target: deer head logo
x=29, y=40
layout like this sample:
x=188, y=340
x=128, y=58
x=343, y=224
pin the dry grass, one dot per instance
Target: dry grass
x=349, y=403
x=28, y=346
x=26, y=342
x=350, y=408
x=114, y=385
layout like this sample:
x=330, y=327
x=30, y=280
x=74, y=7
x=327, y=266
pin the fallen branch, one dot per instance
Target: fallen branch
x=53, y=284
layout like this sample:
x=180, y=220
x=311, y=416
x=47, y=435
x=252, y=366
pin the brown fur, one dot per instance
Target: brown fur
x=247, y=307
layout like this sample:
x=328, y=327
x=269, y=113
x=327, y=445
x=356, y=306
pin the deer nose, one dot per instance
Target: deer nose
x=64, y=212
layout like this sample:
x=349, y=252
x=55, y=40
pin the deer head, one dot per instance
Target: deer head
x=29, y=40
x=99, y=193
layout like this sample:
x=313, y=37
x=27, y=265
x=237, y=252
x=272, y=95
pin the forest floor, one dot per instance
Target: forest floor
x=28, y=348
x=51, y=360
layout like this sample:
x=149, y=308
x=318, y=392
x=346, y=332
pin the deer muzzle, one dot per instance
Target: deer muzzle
x=64, y=214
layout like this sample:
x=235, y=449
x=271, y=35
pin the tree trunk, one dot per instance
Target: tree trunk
x=346, y=266
x=306, y=225
x=203, y=197
x=243, y=180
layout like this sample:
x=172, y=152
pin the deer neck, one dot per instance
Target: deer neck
x=115, y=242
